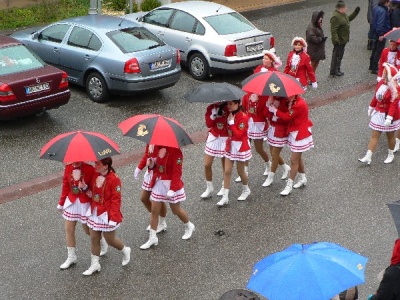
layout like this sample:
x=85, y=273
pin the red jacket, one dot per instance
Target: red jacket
x=303, y=69
x=147, y=155
x=238, y=130
x=258, y=69
x=280, y=125
x=297, y=116
x=169, y=167
x=385, y=105
x=87, y=172
x=385, y=58
x=107, y=198
x=255, y=110
x=218, y=126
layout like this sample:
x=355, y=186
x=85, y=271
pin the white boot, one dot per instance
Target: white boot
x=245, y=193
x=286, y=170
x=224, y=200
x=221, y=191
x=367, y=158
x=153, y=240
x=71, y=259
x=269, y=179
x=126, y=252
x=94, y=266
x=288, y=188
x=162, y=225
x=103, y=246
x=209, y=190
x=396, y=146
x=246, y=169
x=267, y=168
x=389, y=158
x=302, y=181
x=189, y=228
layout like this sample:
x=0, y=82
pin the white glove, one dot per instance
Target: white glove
x=170, y=194
x=370, y=111
x=272, y=109
x=214, y=113
x=136, y=174
x=60, y=208
x=378, y=79
x=314, y=85
x=388, y=120
x=112, y=223
x=231, y=122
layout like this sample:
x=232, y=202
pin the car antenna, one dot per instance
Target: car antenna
x=123, y=19
x=222, y=5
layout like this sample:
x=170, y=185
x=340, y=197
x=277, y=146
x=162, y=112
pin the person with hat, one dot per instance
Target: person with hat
x=340, y=35
x=298, y=63
x=315, y=39
x=237, y=150
x=390, y=55
x=384, y=113
x=380, y=25
x=270, y=62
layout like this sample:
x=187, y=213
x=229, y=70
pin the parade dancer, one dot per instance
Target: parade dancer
x=384, y=113
x=216, y=120
x=167, y=186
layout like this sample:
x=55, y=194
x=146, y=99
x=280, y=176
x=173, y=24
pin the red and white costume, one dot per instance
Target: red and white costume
x=254, y=105
x=218, y=133
x=150, y=152
x=261, y=68
x=278, y=128
x=238, y=144
x=384, y=104
x=388, y=56
x=104, y=213
x=167, y=175
x=299, y=66
x=299, y=129
x=276, y=63
x=74, y=201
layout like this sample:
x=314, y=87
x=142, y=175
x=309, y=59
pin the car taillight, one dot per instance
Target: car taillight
x=132, y=66
x=230, y=50
x=64, y=81
x=178, y=56
x=6, y=94
x=272, y=42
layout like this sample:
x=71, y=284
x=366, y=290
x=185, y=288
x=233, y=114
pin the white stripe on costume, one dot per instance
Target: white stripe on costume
x=215, y=146
x=160, y=189
x=99, y=223
x=75, y=211
x=300, y=145
x=378, y=123
x=256, y=130
x=147, y=179
x=235, y=154
x=274, y=141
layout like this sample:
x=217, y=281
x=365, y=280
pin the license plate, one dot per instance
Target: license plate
x=160, y=64
x=254, y=48
x=37, y=88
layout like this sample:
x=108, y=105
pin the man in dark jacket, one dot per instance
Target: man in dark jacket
x=380, y=26
x=371, y=4
x=340, y=32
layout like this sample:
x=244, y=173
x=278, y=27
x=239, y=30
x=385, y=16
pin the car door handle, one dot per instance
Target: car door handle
x=161, y=33
x=188, y=39
x=87, y=57
x=55, y=49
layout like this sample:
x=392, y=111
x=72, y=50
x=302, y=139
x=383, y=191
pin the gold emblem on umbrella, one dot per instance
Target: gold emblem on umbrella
x=274, y=89
x=142, y=131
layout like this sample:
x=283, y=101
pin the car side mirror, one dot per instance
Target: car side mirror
x=140, y=19
x=35, y=36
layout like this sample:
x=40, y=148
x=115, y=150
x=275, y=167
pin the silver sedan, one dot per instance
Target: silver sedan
x=212, y=38
x=106, y=55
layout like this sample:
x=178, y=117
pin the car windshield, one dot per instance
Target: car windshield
x=18, y=59
x=134, y=39
x=236, y=23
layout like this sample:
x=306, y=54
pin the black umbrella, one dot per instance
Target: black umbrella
x=395, y=211
x=214, y=92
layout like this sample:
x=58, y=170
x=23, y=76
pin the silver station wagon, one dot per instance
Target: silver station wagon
x=105, y=54
x=211, y=37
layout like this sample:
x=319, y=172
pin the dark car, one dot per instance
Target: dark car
x=106, y=54
x=27, y=84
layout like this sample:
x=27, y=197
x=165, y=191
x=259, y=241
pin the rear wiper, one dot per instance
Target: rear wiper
x=154, y=46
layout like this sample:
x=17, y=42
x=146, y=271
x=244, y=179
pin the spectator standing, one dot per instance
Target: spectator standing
x=315, y=39
x=395, y=14
x=371, y=41
x=380, y=26
x=340, y=34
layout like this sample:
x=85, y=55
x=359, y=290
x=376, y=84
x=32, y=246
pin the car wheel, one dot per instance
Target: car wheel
x=96, y=88
x=198, y=66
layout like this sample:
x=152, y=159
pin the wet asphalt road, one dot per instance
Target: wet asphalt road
x=343, y=202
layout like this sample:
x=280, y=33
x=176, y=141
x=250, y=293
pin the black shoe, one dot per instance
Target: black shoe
x=341, y=73
x=374, y=72
x=337, y=73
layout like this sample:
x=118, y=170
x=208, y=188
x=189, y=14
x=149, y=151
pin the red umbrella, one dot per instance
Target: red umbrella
x=272, y=84
x=79, y=146
x=156, y=130
x=393, y=34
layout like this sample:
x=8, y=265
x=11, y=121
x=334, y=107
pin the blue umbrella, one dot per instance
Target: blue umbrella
x=315, y=271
